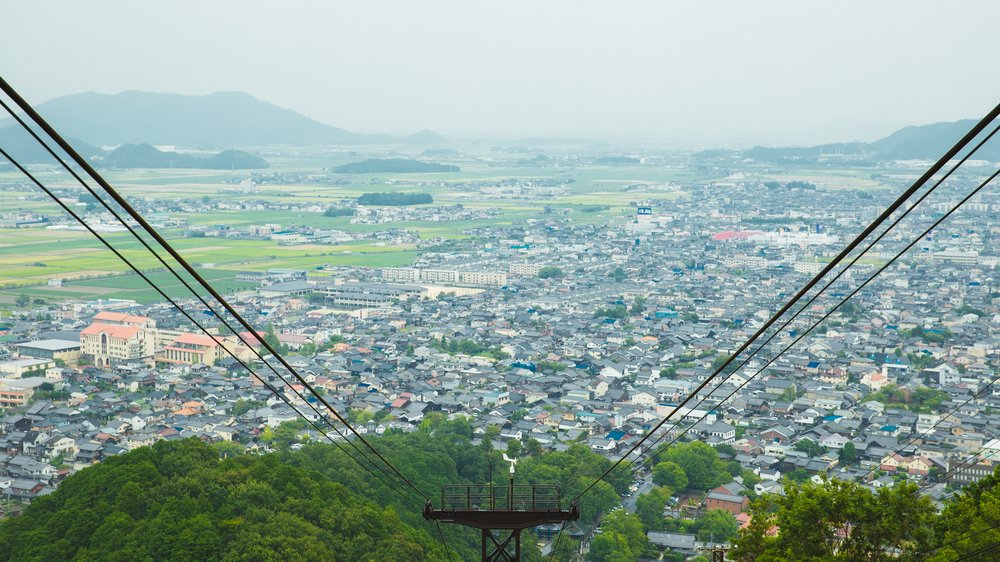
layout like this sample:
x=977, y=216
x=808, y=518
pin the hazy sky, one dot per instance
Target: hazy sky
x=702, y=72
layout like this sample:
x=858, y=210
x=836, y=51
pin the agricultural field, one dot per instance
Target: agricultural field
x=33, y=255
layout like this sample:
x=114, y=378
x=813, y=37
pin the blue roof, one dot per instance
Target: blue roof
x=616, y=435
x=888, y=428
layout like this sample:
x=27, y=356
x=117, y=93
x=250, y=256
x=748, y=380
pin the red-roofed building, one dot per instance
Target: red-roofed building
x=121, y=319
x=186, y=348
x=190, y=349
x=115, y=338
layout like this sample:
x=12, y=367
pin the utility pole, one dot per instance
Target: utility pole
x=524, y=506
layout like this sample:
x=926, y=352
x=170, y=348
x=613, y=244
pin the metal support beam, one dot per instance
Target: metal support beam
x=522, y=507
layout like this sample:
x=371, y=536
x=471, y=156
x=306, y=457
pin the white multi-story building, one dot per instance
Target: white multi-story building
x=482, y=278
x=530, y=269
x=401, y=274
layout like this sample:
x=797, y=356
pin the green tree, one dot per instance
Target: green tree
x=271, y=339
x=649, y=507
x=514, y=448
x=838, y=521
x=242, y=406
x=700, y=463
x=622, y=523
x=339, y=212
x=22, y=300
x=599, y=500
x=717, y=526
x=533, y=447
x=969, y=523
x=668, y=373
x=611, y=547
x=848, y=454
x=549, y=272
x=616, y=312
x=288, y=433
x=670, y=474
x=639, y=305
x=809, y=447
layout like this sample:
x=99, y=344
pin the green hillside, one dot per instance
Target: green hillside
x=184, y=500
x=178, y=501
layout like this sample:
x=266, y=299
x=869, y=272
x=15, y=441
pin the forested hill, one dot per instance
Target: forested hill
x=185, y=500
x=177, y=500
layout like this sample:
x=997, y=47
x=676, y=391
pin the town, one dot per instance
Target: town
x=553, y=331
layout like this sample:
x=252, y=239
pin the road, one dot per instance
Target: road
x=644, y=487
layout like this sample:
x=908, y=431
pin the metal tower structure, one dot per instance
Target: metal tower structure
x=519, y=507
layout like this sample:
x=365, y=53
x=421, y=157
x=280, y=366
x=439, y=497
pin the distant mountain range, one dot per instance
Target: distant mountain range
x=216, y=121
x=920, y=142
x=228, y=120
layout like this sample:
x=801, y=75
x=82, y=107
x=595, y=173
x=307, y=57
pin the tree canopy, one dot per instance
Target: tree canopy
x=185, y=500
x=836, y=521
x=701, y=465
x=549, y=271
x=178, y=501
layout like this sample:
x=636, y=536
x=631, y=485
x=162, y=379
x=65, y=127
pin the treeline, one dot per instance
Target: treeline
x=339, y=212
x=795, y=184
x=615, y=312
x=393, y=165
x=185, y=500
x=468, y=347
x=395, y=199
x=616, y=161
x=845, y=521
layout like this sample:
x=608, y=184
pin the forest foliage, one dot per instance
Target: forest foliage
x=845, y=521
x=186, y=500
